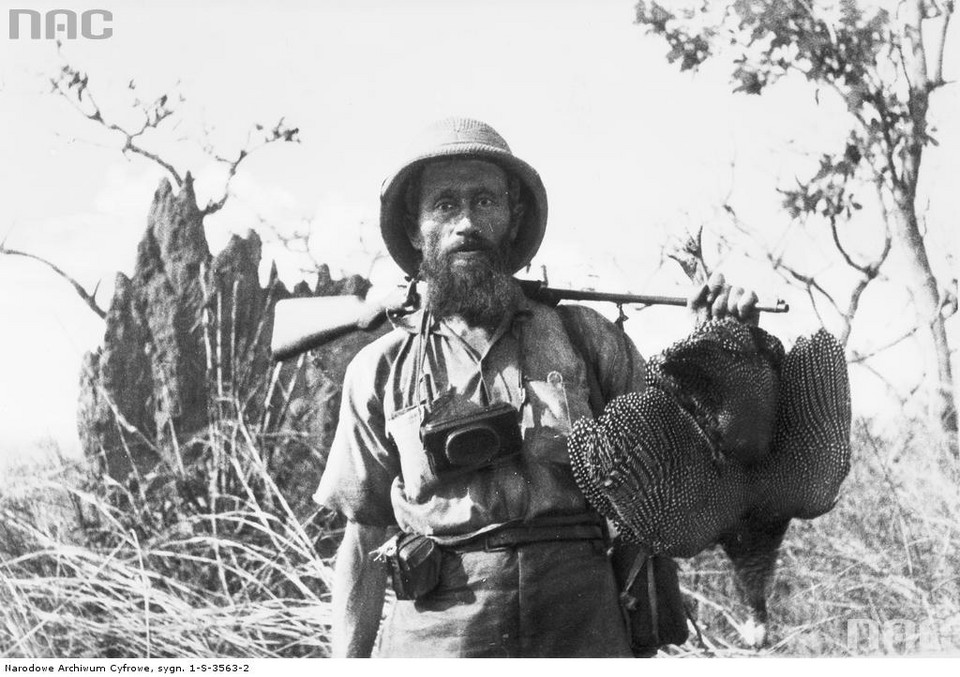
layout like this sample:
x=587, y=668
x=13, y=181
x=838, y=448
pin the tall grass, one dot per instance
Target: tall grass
x=166, y=569
x=136, y=572
x=210, y=553
x=890, y=550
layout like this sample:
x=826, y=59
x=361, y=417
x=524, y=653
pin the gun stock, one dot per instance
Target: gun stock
x=303, y=324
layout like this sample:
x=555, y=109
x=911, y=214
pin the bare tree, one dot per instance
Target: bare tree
x=74, y=87
x=89, y=297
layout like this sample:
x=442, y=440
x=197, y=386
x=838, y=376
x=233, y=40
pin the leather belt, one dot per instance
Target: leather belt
x=509, y=537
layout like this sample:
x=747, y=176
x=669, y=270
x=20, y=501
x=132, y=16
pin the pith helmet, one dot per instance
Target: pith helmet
x=461, y=137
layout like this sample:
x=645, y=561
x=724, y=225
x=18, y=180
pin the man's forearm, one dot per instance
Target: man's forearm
x=359, y=584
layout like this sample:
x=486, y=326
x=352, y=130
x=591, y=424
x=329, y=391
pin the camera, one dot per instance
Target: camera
x=472, y=441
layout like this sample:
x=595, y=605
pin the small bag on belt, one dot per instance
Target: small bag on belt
x=650, y=598
x=414, y=562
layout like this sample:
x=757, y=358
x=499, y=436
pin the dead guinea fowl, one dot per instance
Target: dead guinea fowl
x=730, y=441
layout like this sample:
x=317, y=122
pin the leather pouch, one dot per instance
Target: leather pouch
x=414, y=562
x=650, y=598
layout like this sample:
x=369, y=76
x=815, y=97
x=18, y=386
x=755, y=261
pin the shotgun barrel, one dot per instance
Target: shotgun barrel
x=550, y=296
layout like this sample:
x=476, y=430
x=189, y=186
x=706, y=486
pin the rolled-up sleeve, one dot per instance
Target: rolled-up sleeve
x=362, y=464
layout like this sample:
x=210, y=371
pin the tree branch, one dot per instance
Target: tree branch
x=916, y=69
x=88, y=298
x=894, y=391
x=936, y=76
x=279, y=132
x=868, y=270
x=72, y=84
x=853, y=305
x=840, y=248
x=857, y=357
x=299, y=242
x=133, y=148
x=688, y=252
x=809, y=283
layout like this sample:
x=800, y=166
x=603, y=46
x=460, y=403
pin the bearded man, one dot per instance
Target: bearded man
x=450, y=458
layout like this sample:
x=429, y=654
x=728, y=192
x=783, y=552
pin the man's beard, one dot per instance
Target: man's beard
x=479, y=289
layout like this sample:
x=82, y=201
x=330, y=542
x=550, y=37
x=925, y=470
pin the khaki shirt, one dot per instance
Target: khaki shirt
x=377, y=472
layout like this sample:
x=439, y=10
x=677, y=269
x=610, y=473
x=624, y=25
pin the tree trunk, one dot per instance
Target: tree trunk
x=943, y=408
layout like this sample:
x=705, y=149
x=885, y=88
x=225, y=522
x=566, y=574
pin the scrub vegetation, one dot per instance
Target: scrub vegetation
x=214, y=560
x=204, y=561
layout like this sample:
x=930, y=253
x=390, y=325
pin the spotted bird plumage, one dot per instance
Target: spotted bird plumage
x=731, y=439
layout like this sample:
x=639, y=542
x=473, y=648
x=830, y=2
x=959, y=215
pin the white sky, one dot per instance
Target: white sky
x=630, y=151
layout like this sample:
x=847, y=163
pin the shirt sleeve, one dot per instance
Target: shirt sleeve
x=362, y=464
x=619, y=367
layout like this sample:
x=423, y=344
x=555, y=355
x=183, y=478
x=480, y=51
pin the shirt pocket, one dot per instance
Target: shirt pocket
x=548, y=418
x=403, y=427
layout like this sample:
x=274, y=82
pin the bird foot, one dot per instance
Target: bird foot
x=753, y=632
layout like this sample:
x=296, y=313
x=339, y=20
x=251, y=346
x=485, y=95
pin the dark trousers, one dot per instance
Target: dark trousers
x=547, y=599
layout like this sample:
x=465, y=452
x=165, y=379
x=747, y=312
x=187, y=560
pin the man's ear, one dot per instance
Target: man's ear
x=413, y=232
x=516, y=218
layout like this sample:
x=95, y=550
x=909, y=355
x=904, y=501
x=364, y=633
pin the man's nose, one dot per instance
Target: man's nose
x=467, y=222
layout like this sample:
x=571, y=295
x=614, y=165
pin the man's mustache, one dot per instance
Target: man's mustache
x=473, y=244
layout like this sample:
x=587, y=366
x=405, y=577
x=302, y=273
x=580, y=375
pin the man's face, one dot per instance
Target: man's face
x=464, y=211
x=465, y=232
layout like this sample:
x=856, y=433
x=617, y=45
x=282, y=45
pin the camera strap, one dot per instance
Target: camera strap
x=426, y=384
x=424, y=390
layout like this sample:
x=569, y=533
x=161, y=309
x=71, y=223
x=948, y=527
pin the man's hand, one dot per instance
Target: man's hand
x=716, y=299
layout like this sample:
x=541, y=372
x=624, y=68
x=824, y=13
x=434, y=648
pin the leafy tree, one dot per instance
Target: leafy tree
x=884, y=61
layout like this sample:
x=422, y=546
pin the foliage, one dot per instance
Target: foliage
x=857, y=54
x=882, y=62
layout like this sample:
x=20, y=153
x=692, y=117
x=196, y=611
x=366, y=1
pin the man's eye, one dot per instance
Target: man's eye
x=444, y=206
x=486, y=201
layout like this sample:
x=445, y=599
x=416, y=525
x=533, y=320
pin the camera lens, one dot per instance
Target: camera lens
x=472, y=445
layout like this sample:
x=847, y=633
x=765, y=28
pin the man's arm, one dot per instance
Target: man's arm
x=359, y=584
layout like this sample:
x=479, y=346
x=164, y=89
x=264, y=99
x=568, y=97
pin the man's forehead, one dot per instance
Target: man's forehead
x=441, y=174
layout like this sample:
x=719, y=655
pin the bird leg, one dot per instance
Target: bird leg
x=753, y=548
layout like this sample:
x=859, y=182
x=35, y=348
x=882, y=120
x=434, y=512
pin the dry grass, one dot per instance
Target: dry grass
x=888, y=551
x=137, y=573
x=177, y=565
x=202, y=557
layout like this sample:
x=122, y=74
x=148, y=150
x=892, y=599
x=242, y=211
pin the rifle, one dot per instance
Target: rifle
x=302, y=324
